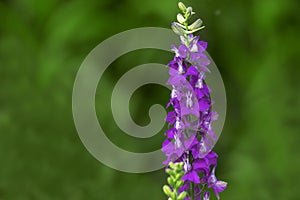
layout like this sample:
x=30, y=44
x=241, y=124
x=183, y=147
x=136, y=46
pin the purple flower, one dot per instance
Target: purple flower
x=204, y=104
x=206, y=196
x=171, y=117
x=199, y=59
x=170, y=133
x=178, y=64
x=192, y=71
x=191, y=176
x=176, y=79
x=216, y=185
x=181, y=52
x=202, y=45
x=189, y=104
x=175, y=103
x=176, y=147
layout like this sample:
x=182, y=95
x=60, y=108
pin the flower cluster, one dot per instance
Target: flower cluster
x=190, y=135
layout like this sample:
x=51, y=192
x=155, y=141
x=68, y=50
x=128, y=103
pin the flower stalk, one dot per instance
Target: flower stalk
x=190, y=160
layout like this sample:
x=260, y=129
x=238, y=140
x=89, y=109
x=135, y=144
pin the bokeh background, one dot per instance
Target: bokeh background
x=42, y=44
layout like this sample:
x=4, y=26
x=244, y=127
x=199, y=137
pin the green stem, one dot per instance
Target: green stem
x=187, y=39
x=186, y=26
x=192, y=191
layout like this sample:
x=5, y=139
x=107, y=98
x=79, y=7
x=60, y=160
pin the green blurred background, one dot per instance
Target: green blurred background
x=42, y=44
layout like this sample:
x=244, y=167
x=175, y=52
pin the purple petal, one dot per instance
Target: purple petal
x=206, y=196
x=182, y=51
x=193, y=71
x=212, y=158
x=170, y=133
x=171, y=117
x=204, y=104
x=199, y=93
x=165, y=143
x=191, y=176
x=220, y=186
x=201, y=164
x=202, y=46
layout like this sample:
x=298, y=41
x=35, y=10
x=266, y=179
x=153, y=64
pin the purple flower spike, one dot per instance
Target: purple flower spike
x=190, y=135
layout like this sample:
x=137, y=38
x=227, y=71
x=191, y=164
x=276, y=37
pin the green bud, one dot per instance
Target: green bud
x=180, y=18
x=181, y=164
x=178, y=28
x=189, y=12
x=178, y=176
x=172, y=165
x=182, y=7
x=181, y=174
x=170, y=172
x=178, y=170
x=195, y=25
x=179, y=183
x=182, y=195
x=167, y=190
x=173, y=195
x=189, y=9
x=170, y=181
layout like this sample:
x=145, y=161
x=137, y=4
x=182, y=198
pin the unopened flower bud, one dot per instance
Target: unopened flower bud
x=181, y=164
x=189, y=11
x=180, y=18
x=170, y=181
x=170, y=172
x=167, y=190
x=179, y=183
x=196, y=24
x=178, y=176
x=182, y=7
x=172, y=165
x=182, y=195
x=177, y=28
